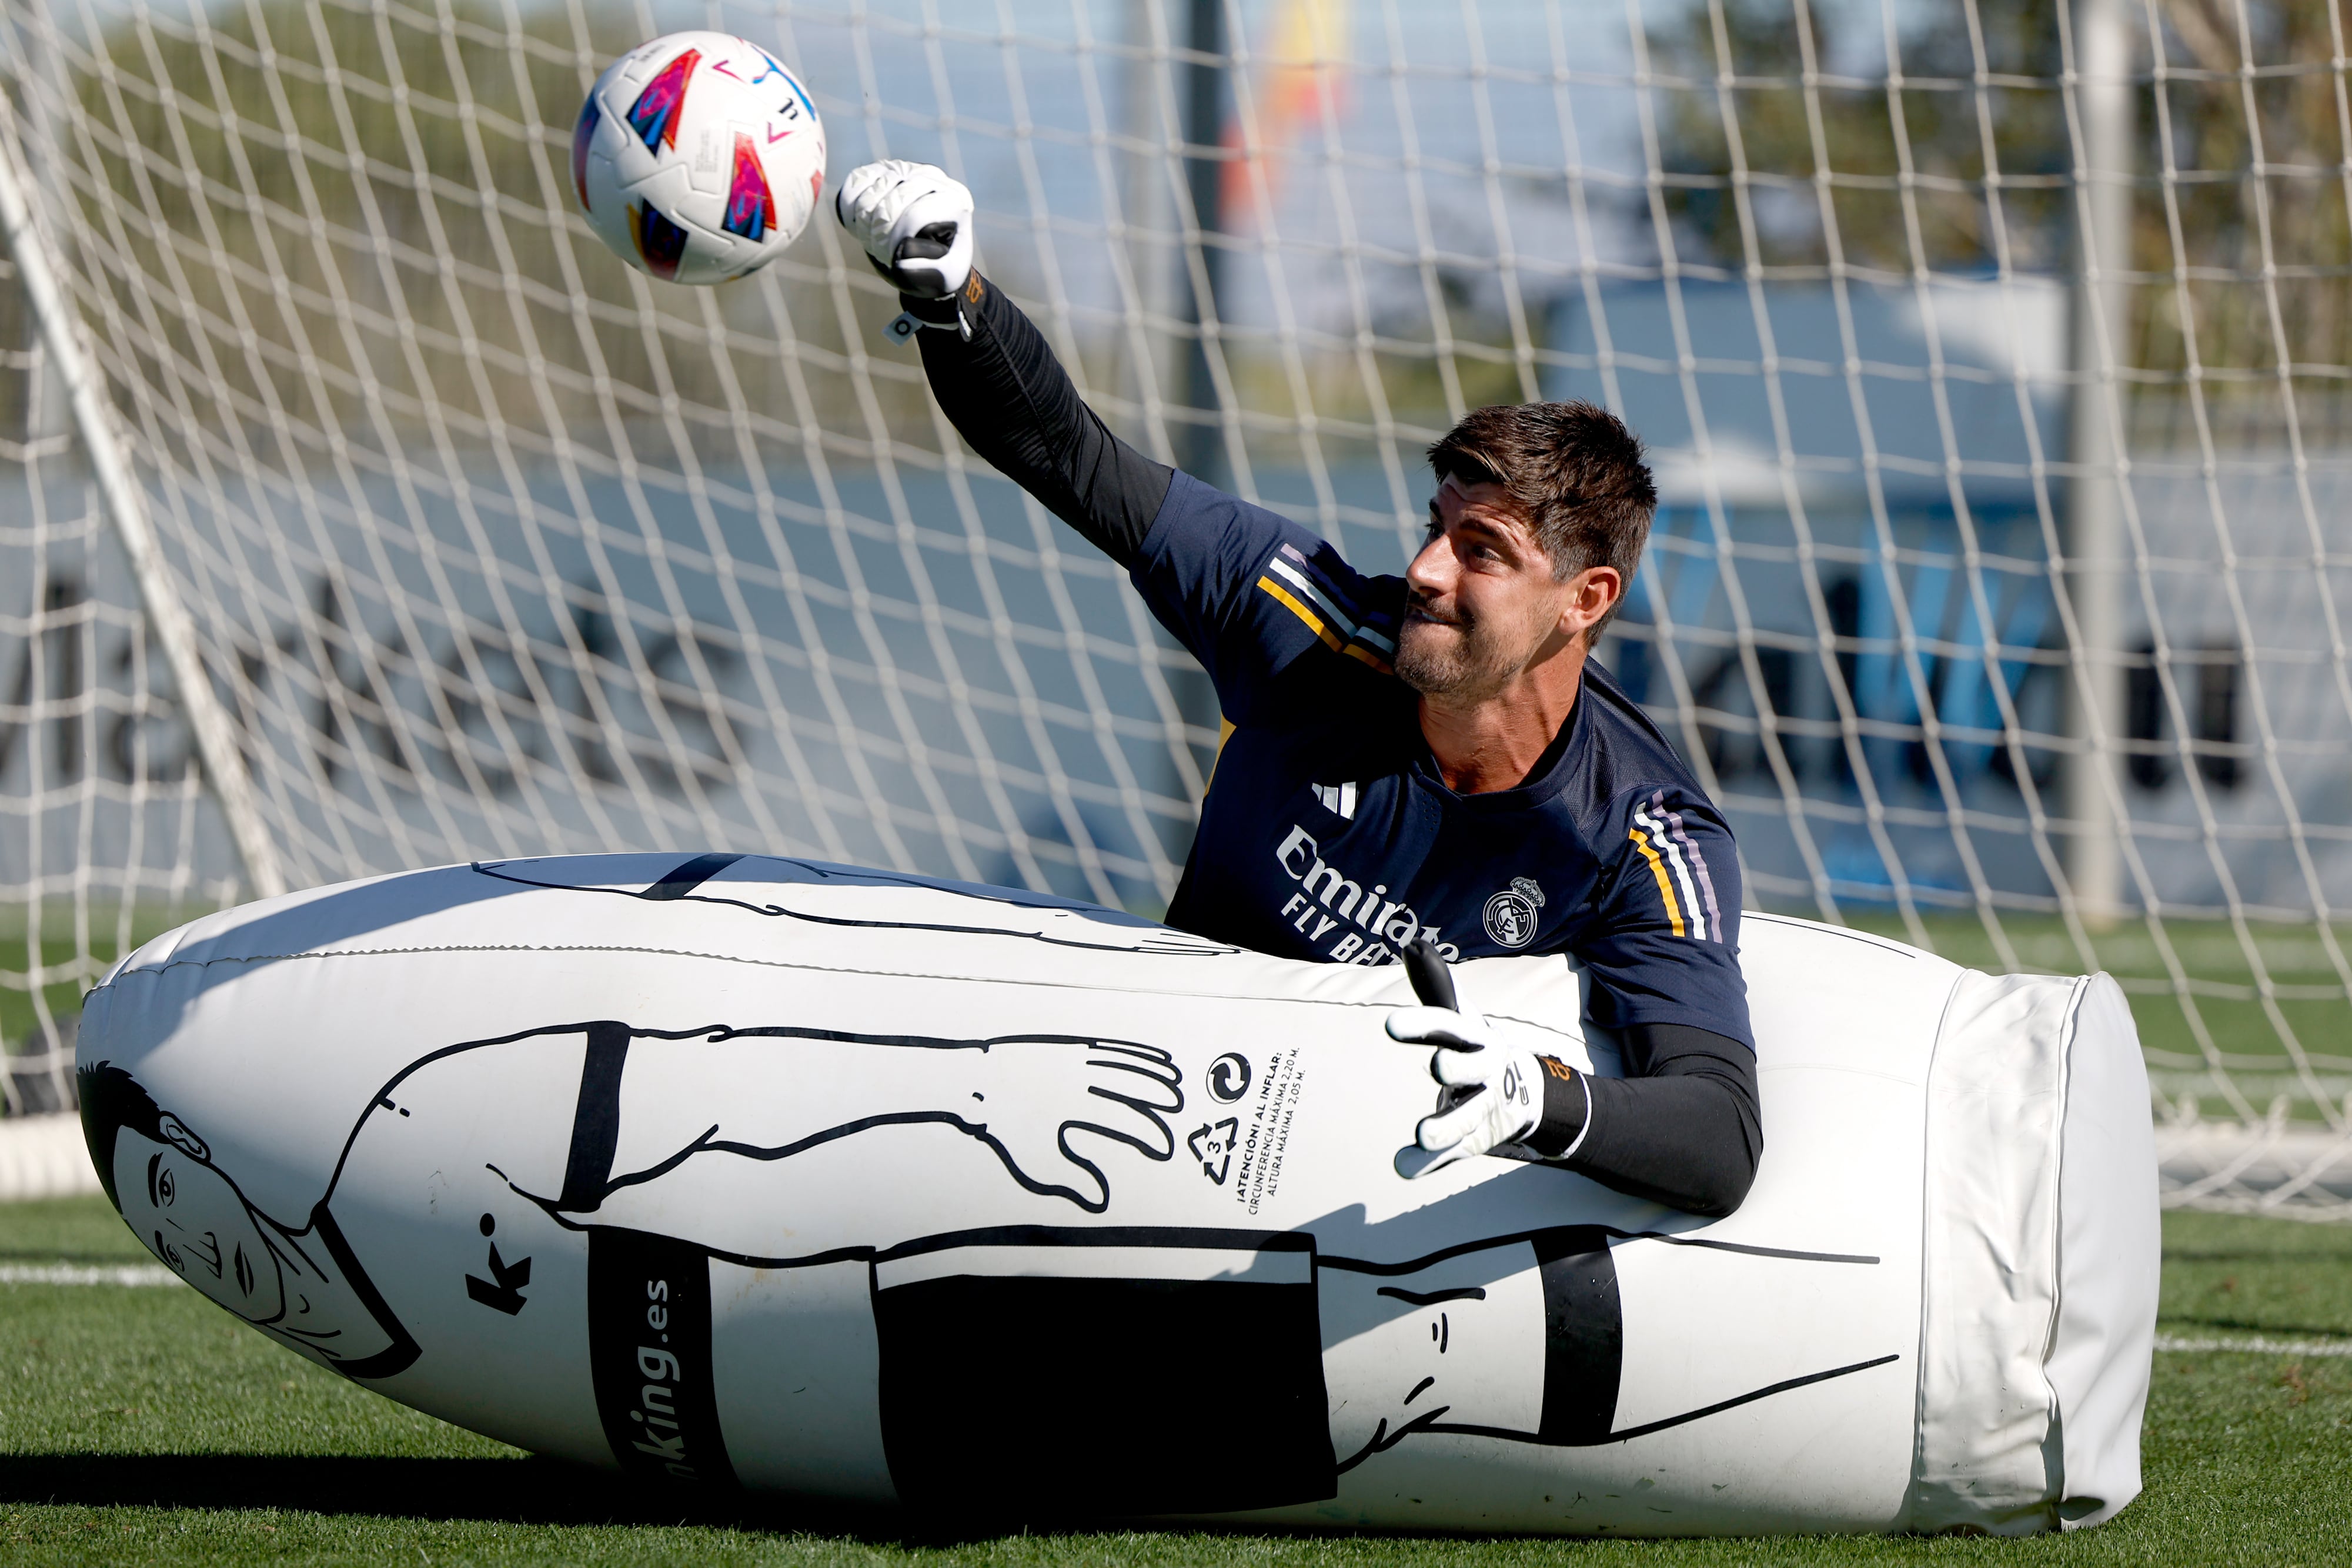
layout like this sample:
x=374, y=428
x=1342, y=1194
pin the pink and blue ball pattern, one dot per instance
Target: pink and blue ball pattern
x=655, y=116
x=750, y=206
x=661, y=242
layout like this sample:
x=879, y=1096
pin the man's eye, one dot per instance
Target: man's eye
x=165, y=1187
x=169, y=1253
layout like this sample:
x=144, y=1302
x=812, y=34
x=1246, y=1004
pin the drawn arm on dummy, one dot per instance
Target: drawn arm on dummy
x=656, y=1107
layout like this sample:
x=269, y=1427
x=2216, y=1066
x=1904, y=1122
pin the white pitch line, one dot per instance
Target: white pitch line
x=2257, y=1345
x=86, y=1274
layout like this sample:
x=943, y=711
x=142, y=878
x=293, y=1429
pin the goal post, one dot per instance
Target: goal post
x=358, y=511
x=126, y=509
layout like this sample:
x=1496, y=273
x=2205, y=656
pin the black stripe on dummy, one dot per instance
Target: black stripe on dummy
x=686, y=878
x=596, y=1120
x=649, y=1356
x=1002, y=1394
x=1584, y=1336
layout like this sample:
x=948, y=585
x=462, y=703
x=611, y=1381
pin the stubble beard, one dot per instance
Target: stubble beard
x=1455, y=661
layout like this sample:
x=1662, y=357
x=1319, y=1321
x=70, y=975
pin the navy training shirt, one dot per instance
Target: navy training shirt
x=1329, y=834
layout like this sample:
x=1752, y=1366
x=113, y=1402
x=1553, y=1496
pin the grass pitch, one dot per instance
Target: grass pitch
x=144, y=1425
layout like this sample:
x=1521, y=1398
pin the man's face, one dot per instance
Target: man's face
x=196, y=1221
x=1481, y=604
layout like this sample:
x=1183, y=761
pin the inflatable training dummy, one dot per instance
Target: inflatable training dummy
x=763, y=1173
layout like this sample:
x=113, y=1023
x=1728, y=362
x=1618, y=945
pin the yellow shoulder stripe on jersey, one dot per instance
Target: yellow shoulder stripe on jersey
x=1658, y=870
x=1315, y=623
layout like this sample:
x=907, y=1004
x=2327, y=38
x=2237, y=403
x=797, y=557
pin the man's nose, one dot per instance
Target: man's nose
x=1432, y=571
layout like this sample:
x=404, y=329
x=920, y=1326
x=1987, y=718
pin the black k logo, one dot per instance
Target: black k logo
x=506, y=1295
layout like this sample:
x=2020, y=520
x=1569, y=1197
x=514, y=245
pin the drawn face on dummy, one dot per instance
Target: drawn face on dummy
x=193, y=1218
x=193, y=1215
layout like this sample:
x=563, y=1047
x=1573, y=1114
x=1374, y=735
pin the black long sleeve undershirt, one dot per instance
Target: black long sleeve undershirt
x=1010, y=399
x=1682, y=1128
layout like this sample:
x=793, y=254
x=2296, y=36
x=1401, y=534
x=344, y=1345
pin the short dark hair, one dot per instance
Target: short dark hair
x=1573, y=468
x=112, y=1100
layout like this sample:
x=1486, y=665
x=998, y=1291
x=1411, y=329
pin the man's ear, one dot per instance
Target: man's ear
x=1590, y=595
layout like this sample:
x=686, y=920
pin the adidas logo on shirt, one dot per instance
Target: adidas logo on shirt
x=1338, y=798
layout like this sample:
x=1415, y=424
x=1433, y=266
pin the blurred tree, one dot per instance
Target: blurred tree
x=1937, y=136
x=1879, y=162
x=322, y=218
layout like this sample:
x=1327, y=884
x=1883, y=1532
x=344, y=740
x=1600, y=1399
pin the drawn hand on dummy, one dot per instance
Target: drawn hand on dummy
x=1039, y=1093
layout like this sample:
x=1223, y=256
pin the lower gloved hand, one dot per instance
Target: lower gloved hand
x=1504, y=1102
x=915, y=223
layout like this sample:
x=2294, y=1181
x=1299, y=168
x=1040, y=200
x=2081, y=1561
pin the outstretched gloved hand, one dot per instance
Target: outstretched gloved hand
x=1499, y=1092
x=914, y=222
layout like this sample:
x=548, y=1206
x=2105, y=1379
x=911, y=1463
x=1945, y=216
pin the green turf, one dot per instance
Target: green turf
x=72, y=962
x=144, y=1426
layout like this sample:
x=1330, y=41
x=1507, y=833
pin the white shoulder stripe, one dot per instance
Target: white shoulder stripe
x=1305, y=585
x=1694, y=912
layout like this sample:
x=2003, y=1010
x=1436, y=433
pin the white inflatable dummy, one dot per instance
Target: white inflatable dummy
x=761, y=1172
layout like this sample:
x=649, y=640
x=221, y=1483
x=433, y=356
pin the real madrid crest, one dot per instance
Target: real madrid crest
x=1511, y=914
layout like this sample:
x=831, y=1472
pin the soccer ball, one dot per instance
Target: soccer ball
x=698, y=157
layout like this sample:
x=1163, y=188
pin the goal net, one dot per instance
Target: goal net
x=358, y=511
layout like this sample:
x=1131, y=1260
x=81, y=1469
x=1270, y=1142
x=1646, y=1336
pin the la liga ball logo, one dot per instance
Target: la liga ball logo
x=698, y=157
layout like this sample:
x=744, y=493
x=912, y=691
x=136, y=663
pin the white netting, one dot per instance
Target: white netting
x=99, y=806
x=1994, y=356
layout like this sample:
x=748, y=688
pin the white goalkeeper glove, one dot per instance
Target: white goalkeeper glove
x=1504, y=1102
x=915, y=223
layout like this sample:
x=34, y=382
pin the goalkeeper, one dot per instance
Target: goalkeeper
x=1432, y=758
